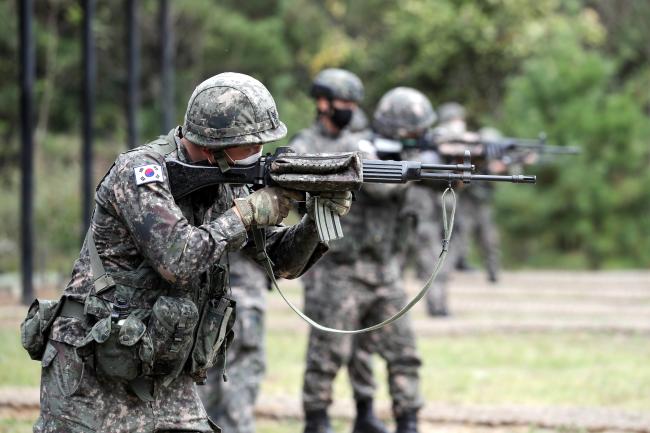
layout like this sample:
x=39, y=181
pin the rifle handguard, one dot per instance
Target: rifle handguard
x=318, y=172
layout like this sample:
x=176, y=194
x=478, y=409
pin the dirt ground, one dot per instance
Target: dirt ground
x=593, y=302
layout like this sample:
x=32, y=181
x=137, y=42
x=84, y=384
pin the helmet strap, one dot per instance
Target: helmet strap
x=221, y=160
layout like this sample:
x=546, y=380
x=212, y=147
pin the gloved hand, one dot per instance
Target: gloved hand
x=267, y=206
x=339, y=201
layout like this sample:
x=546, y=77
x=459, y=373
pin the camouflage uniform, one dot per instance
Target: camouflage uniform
x=231, y=404
x=317, y=139
x=429, y=229
x=423, y=209
x=177, y=248
x=359, y=283
x=478, y=220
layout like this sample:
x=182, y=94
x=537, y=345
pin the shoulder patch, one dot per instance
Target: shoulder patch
x=148, y=174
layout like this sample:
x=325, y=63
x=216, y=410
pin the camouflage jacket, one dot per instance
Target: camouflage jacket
x=372, y=228
x=139, y=225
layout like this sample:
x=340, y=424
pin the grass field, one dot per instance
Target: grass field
x=543, y=369
x=546, y=369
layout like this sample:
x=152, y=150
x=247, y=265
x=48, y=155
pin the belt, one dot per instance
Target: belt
x=73, y=309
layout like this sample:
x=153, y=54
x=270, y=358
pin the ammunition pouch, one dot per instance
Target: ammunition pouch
x=214, y=335
x=116, y=352
x=171, y=330
x=318, y=172
x=134, y=339
x=35, y=328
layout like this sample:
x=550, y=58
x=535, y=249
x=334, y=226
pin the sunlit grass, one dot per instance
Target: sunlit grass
x=545, y=369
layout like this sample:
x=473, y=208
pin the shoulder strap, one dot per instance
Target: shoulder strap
x=163, y=145
x=101, y=280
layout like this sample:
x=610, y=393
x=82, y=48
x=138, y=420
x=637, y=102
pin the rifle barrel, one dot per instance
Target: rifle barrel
x=479, y=177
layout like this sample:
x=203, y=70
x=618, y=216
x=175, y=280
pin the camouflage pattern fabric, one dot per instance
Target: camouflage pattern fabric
x=242, y=122
x=423, y=208
x=231, y=404
x=182, y=242
x=359, y=284
x=316, y=139
x=338, y=84
x=403, y=112
x=477, y=220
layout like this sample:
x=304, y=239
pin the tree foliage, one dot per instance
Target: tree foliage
x=576, y=69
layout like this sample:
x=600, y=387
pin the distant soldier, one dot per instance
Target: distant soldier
x=477, y=219
x=474, y=216
x=231, y=404
x=337, y=93
x=360, y=281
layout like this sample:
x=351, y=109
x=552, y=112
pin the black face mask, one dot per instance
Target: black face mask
x=341, y=118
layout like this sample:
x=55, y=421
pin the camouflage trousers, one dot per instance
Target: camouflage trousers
x=424, y=244
x=75, y=400
x=336, y=298
x=231, y=404
x=476, y=219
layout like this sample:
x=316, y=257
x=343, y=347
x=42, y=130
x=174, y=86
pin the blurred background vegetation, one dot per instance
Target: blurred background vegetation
x=577, y=69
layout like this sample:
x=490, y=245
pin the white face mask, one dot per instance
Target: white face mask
x=252, y=159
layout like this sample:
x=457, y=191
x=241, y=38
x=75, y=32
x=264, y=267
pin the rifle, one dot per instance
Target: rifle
x=509, y=149
x=314, y=173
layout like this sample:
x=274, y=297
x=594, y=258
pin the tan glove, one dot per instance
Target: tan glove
x=267, y=206
x=339, y=201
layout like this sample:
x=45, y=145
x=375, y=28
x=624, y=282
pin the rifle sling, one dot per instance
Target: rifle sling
x=448, y=225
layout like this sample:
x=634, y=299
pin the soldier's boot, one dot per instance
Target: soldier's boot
x=317, y=421
x=493, y=276
x=407, y=422
x=437, y=301
x=366, y=421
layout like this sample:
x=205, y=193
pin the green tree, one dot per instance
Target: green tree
x=592, y=207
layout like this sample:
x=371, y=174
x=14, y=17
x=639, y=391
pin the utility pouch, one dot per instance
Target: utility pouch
x=171, y=329
x=213, y=334
x=318, y=172
x=117, y=354
x=35, y=328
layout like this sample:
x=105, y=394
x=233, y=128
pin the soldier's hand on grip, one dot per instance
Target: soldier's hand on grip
x=338, y=201
x=267, y=206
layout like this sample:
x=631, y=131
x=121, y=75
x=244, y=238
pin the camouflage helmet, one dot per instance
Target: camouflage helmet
x=403, y=111
x=490, y=133
x=232, y=109
x=335, y=83
x=451, y=110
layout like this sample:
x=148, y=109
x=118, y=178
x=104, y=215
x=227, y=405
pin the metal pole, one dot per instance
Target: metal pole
x=167, y=59
x=88, y=108
x=27, y=72
x=133, y=85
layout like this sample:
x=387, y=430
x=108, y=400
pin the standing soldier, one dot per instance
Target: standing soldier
x=474, y=216
x=145, y=312
x=231, y=404
x=337, y=93
x=360, y=282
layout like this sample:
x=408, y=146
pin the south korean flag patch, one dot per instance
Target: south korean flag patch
x=148, y=174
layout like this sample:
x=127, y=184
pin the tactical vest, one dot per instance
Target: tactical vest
x=140, y=330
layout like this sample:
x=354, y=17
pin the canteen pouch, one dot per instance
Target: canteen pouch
x=171, y=329
x=214, y=333
x=35, y=328
x=318, y=172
